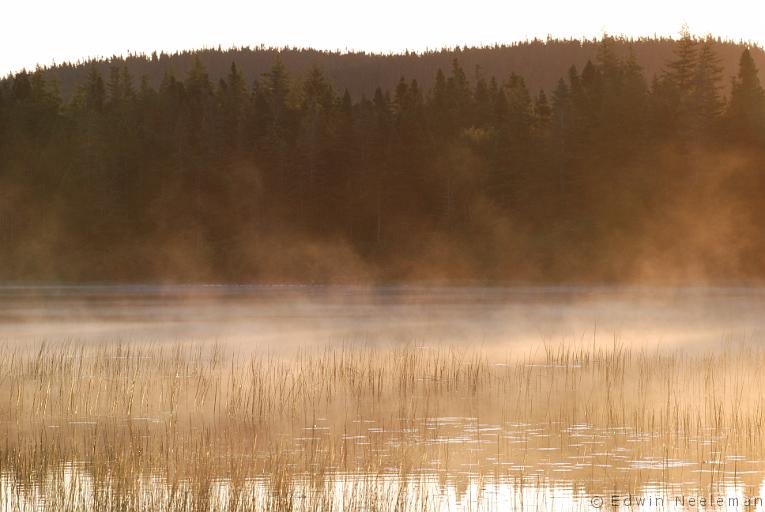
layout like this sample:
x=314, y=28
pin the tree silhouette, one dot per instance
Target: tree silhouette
x=223, y=174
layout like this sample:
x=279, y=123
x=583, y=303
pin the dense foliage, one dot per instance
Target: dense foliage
x=605, y=176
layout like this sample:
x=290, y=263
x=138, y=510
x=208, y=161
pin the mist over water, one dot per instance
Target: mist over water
x=273, y=318
x=350, y=397
x=611, y=165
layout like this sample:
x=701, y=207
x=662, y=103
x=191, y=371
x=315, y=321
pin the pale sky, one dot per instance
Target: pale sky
x=41, y=32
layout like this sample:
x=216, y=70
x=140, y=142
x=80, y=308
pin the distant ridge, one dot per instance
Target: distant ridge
x=541, y=63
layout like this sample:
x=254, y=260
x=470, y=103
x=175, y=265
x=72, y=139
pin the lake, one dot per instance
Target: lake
x=385, y=398
x=274, y=317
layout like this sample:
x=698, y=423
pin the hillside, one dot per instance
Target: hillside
x=614, y=172
x=541, y=63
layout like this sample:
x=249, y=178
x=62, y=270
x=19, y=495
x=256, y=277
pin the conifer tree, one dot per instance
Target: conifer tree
x=681, y=71
x=93, y=92
x=745, y=115
x=232, y=94
x=706, y=103
x=678, y=85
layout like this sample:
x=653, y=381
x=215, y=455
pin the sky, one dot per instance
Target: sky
x=42, y=32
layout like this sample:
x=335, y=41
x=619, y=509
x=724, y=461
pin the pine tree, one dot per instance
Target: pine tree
x=438, y=107
x=128, y=91
x=482, y=99
x=609, y=63
x=682, y=70
x=520, y=108
x=93, y=92
x=315, y=137
x=632, y=103
x=678, y=85
x=745, y=116
x=21, y=89
x=542, y=110
x=381, y=157
x=562, y=126
x=275, y=88
x=459, y=97
x=501, y=109
x=197, y=81
x=232, y=97
x=114, y=86
x=706, y=103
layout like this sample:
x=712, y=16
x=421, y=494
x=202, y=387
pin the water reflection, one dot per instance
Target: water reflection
x=380, y=399
x=382, y=492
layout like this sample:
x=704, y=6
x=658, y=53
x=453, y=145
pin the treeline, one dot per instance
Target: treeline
x=540, y=62
x=606, y=176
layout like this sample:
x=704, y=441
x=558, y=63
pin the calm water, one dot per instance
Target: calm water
x=476, y=456
x=271, y=317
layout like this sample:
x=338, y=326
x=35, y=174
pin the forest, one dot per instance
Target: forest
x=605, y=172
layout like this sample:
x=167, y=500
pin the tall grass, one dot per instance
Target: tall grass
x=187, y=427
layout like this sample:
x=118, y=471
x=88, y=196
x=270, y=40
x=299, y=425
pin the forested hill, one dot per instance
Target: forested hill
x=614, y=172
x=541, y=63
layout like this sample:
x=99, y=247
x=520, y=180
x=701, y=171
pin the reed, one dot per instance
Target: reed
x=189, y=427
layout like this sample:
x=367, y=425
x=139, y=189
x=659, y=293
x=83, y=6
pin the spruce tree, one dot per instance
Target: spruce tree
x=706, y=103
x=745, y=116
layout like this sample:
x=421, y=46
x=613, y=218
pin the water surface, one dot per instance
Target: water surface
x=274, y=317
x=388, y=398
